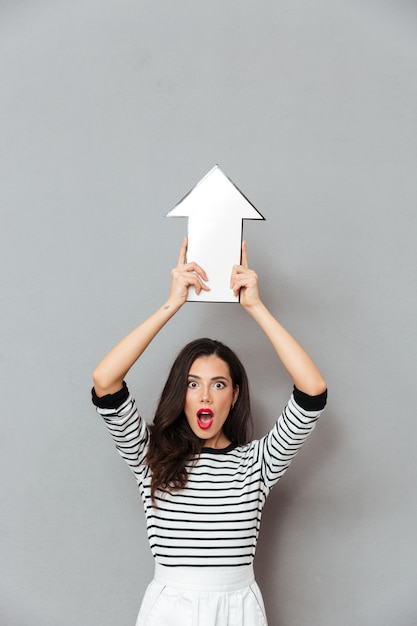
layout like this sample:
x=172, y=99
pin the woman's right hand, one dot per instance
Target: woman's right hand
x=184, y=276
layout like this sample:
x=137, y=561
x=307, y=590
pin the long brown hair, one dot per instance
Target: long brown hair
x=172, y=442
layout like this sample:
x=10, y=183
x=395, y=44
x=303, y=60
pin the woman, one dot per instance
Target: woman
x=202, y=481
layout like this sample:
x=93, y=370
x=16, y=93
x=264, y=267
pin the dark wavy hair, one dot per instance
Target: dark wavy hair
x=172, y=442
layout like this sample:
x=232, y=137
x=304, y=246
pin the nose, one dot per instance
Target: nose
x=205, y=395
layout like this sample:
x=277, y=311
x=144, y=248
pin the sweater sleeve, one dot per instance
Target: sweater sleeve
x=285, y=440
x=310, y=403
x=126, y=427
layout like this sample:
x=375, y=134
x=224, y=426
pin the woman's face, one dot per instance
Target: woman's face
x=210, y=395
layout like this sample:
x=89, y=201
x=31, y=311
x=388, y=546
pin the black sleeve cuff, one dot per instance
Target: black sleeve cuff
x=310, y=403
x=111, y=400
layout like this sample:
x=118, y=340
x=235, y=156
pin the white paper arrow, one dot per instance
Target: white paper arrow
x=215, y=209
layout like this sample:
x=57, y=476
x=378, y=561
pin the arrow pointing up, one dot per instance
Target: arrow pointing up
x=215, y=209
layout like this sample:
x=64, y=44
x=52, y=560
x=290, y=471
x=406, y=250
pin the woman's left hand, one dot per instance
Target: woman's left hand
x=245, y=281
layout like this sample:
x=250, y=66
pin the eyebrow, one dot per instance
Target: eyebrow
x=214, y=377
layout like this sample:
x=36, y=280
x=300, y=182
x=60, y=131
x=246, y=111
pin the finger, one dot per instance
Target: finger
x=238, y=272
x=189, y=276
x=235, y=272
x=200, y=286
x=195, y=267
x=196, y=281
x=244, y=255
x=235, y=290
x=183, y=251
x=235, y=283
x=243, y=279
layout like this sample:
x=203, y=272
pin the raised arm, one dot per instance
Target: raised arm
x=109, y=374
x=305, y=374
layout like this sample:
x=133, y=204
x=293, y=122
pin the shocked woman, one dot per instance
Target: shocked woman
x=202, y=480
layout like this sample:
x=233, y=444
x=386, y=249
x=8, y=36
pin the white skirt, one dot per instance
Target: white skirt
x=200, y=596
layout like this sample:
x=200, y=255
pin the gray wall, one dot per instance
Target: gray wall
x=110, y=112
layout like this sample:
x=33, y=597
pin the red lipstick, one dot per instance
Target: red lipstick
x=205, y=418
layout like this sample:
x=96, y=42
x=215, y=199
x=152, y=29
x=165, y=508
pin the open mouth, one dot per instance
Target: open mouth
x=205, y=418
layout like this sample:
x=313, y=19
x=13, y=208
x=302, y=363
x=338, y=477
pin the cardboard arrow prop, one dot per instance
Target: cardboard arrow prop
x=215, y=208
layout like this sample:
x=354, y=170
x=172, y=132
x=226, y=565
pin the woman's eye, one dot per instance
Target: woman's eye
x=219, y=385
x=192, y=384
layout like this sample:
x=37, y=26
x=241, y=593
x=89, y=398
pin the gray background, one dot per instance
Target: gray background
x=110, y=113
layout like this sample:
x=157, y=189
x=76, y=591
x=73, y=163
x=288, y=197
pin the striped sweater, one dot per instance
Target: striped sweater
x=215, y=520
